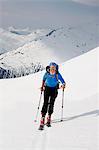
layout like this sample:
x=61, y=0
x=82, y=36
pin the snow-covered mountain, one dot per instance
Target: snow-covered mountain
x=14, y=38
x=79, y=131
x=58, y=45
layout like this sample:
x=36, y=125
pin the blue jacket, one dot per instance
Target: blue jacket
x=52, y=80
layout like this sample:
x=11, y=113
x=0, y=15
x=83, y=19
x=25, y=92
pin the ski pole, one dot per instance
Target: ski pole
x=62, y=105
x=38, y=107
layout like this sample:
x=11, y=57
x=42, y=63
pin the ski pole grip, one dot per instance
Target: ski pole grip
x=63, y=89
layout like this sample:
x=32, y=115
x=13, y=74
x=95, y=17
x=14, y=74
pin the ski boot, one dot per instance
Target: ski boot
x=48, y=124
x=42, y=122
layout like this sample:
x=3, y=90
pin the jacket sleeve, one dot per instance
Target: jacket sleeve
x=61, y=78
x=45, y=76
x=43, y=81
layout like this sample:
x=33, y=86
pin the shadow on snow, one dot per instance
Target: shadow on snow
x=95, y=112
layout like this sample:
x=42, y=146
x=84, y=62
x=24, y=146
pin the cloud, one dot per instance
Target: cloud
x=88, y=2
x=38, y=14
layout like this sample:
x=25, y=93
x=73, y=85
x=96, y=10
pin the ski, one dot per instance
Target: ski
x=48, y=124
x=41, y=127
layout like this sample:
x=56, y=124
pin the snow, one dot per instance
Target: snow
x=79, y=131
x=43, y=45
x=14, y=38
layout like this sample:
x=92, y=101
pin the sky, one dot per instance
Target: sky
x=46, y=13
x=88, y=2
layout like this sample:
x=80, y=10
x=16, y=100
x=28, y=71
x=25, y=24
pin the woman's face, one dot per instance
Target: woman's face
x=52, y=69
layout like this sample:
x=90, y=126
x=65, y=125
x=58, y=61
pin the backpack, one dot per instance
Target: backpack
x=48, y=71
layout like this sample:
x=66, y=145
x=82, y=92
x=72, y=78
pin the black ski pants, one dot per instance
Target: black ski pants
x=50, y=95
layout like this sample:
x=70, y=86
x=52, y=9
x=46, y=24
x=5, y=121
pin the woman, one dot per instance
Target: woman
x=50, y=85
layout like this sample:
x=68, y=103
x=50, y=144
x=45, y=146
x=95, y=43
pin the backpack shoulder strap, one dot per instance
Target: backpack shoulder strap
x=57, y=76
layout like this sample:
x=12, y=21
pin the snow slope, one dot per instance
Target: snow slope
x=59, y=44
x=79, y=131
x=14, y=38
